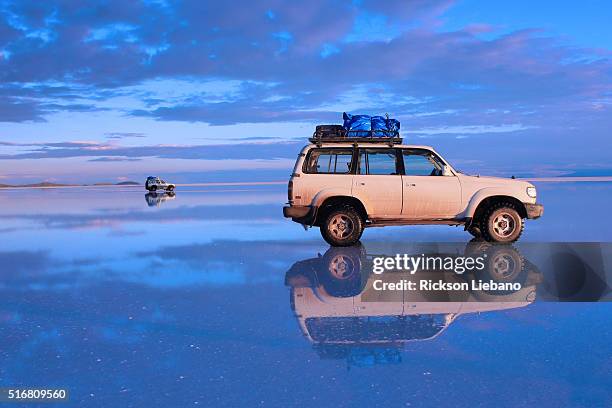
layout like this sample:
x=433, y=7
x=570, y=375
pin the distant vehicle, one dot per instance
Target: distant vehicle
x=155, y=199
x=155, y=184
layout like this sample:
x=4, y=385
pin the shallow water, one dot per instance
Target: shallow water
x=129, y=301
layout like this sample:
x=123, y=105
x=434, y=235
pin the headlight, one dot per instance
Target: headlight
x=531, y=192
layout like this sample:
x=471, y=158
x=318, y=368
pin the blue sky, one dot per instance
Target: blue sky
x=114, y=90
x=583, y=24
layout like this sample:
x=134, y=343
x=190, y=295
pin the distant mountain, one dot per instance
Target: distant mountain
x=128, y=183
x=44, y=184
x=34, y=185
x=47, y=184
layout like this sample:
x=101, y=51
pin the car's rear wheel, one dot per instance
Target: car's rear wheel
x=170, y=188
x=341, y=272
x=502, y=223
x=342, y=226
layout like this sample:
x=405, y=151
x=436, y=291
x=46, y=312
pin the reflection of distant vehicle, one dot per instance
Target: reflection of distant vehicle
x=338, y=312
x=155, y=199
x=155, y=184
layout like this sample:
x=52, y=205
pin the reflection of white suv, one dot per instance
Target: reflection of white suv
x=333, y=299
x=343, y=187
x=155, y=199
x=155, y=184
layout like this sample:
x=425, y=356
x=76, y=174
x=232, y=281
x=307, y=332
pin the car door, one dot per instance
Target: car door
x=428, y=193
x=379, y=182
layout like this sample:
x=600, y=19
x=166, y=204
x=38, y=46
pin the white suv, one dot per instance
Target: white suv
x=156, y=184
x=343, y=187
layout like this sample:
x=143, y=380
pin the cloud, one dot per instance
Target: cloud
x=30, y=263
x=33, y=102
x=14, y=110
x=470, y=130
x=123, y=135
x=122, y=45
x=113, y=159
x=232, y=113
x=239, y=211
x=103, y=152
x=46, y=145
x=272, y=61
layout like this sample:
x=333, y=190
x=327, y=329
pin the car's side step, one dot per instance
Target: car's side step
x=383, y=222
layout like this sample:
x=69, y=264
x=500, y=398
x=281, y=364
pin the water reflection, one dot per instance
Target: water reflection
x=334, y=302
x=98, y=296
x=156, y=199
x=348, y=272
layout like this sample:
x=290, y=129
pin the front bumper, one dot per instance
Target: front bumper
x=534, y=210
x=303, y=214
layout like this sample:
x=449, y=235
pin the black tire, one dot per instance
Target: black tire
x=504, y=264
x=170, y=189
x=153, y=188
x=342, y=226
x=341, y=272
x=501, y=223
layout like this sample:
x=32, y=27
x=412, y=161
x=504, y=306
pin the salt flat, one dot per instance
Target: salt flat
x=120, y=297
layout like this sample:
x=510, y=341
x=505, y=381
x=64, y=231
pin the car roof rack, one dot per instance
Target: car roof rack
x=382, y=140
x=362, y=138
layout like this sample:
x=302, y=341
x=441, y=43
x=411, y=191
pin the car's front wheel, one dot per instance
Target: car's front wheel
x=342, y=226
x=502, y=223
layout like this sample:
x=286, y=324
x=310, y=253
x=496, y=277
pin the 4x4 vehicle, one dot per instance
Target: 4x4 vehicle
x=342, y=186
x=155, y=184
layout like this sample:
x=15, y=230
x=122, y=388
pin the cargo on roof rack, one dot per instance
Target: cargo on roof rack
x=338, y=134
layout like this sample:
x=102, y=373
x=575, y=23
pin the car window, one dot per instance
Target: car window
x=329, y=161
x=378, y=161
x=421, y=163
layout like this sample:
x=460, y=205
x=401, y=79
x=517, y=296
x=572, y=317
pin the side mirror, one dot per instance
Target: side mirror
x=446, y=171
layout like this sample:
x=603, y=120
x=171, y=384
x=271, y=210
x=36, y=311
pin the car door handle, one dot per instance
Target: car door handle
x=410, y=185
x=363, y=184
